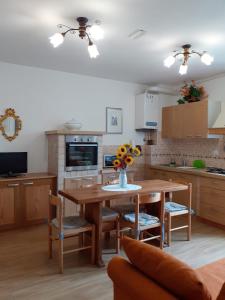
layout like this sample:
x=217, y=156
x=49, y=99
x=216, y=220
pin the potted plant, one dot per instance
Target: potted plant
x=192, y=93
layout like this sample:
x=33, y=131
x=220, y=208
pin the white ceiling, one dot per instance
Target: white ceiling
x=27, y=24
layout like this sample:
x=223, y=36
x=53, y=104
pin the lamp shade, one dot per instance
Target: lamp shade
x=96, y=32
x=169, y=61
x=93, y=51
x=183, y=69
x=206, y=58
x=56, y=39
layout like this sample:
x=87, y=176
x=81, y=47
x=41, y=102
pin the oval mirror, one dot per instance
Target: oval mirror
x=10, y=124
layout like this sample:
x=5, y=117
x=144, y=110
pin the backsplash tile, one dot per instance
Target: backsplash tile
x=209, y=150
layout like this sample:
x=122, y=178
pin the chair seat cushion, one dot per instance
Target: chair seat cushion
x=170, y=273
x=143, y=220
x=171, y=206
x=71, y=222
x=109, y=214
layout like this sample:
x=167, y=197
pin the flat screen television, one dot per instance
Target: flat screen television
x=13, y=163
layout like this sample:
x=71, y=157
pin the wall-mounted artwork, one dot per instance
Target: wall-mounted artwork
x=114, y=120
x=10, y=124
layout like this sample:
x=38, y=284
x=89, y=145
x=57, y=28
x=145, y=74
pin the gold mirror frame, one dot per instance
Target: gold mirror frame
x=9, y=112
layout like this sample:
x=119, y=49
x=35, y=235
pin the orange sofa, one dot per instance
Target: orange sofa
x=152, y=274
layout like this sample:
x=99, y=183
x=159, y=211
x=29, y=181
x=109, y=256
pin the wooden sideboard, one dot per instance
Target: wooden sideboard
x=24, y=199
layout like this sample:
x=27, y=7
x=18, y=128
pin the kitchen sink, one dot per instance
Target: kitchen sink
x=185, y=167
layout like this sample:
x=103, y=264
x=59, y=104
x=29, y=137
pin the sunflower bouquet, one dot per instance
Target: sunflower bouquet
x=125, y=156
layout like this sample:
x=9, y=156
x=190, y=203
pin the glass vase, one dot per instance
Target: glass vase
x=123, y=178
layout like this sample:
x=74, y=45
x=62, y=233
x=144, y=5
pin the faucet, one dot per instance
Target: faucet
x=184, y=162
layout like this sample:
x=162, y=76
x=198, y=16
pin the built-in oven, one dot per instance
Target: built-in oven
x=81, y=153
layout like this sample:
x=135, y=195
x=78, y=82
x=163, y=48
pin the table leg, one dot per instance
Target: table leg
x=93, y=213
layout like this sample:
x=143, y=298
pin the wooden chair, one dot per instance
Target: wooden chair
x=61, y=228
x=174, y=208
x=141, y=223
x=110, y=220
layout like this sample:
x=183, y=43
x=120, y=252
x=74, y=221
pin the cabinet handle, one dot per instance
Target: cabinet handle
x=13, y=184
x=28, y=183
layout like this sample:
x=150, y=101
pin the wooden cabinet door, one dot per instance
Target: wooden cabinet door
x=9, y=210
x=172, y=122
x=167, y=122
x=212, y=204
x=36, y=199
x=195, y=120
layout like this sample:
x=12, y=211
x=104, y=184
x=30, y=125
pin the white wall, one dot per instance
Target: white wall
x=215, y=88
x=45, y=99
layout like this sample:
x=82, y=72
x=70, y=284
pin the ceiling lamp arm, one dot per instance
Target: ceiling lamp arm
x=69, y=30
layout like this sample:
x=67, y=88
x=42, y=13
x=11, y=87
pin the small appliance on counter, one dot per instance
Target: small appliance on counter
x=108, y=160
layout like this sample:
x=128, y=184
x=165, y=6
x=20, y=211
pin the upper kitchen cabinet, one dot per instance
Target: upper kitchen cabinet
x=191, y=120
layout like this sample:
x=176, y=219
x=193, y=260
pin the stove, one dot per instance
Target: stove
x=218, y=171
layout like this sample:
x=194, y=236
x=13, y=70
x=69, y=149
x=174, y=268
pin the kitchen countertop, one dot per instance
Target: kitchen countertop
x=194, y=171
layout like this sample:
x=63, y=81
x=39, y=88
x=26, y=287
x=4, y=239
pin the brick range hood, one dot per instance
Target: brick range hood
x=56, y=154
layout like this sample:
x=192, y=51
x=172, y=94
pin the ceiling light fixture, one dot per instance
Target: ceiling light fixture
x=84, y=30
x=206, y=58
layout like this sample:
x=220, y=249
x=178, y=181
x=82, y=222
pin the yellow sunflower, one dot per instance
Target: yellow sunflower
x=122, y=149
x=129, y=160
x=119, y=155
x=116, y=163
x=136, y=151
x=128, y=146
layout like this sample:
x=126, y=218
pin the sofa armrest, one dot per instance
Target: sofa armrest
x=132, y=284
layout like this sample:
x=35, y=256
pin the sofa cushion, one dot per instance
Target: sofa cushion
x=170, y=273
x=213, y=276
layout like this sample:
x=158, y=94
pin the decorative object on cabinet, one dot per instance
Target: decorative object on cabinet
x=192, y=93
x=124, y=158
x=114, y=120
x=186, y=54
x=85, y=31
x=10, y=124
x=73, y=124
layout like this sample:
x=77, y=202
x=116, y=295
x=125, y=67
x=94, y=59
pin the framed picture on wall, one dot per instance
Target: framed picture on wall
x=114, y=120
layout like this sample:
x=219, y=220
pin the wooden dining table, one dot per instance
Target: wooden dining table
x=94, y=197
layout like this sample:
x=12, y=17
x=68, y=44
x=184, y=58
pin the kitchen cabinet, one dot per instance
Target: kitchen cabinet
x=181, y=196
x=208, y=193
x=24, y=200
x=212, y=200
x=190, y=120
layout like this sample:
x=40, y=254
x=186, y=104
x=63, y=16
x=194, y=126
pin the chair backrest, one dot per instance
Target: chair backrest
x=149, y=199
x=189, y=190
x=57, y=203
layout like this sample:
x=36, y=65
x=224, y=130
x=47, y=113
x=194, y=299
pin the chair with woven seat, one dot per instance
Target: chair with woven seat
x=142, y=222
x=110, y=220
x=61, y=228
x=174, y=208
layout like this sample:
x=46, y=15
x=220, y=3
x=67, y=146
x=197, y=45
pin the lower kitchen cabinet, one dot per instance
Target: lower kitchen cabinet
x=24, y=200
x=208, y=193
x=181, y=196
x=212, y=200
